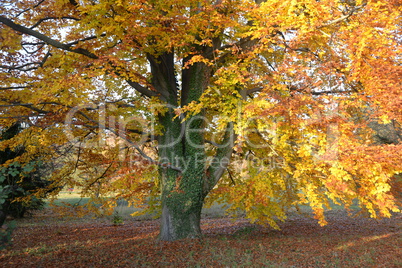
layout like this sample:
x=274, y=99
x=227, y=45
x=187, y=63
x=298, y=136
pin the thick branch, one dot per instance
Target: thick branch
x=141, y=89
x=331, y=92
x=16, y=87
x=28, y=105
x=15, y=117
x=48, y=40
x=223, y=155
x=164, y=76
x=253, y=90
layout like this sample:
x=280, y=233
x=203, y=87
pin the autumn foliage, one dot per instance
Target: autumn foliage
x=264, y=105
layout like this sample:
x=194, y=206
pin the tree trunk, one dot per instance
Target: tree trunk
x=182, y=155
x=182, y=179
x=178, y=224
x=2, y=218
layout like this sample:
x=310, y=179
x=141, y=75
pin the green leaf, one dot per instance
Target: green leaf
x=29, y=167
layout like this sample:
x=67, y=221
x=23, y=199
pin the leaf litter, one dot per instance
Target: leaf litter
x=46, y=240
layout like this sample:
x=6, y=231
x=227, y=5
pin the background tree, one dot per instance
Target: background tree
x=252, y=103
x=19, y=181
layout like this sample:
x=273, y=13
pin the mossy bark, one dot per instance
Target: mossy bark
x=178, y=223
x=182, y=196
x=182, y=147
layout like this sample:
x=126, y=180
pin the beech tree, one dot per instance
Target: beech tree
x=263, y=105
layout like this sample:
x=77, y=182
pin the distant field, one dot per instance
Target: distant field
x=213, y=212
x=74, y=198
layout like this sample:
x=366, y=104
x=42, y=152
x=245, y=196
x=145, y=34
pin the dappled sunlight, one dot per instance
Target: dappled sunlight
x=364, y=240
x=89, y=238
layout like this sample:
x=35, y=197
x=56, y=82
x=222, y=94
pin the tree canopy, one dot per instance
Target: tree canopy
x=264, y=105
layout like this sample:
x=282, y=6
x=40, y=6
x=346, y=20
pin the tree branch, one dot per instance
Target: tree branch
x=316, y=93
x=138, y=149
x=345, y=17
x=74, y=3
x=48, y=40
x=67, y=47
x=253, y=90
x=28, y=105
x=222, y=156
x=25, y=10
x=39, y=63
x=100, y=177
x=15, y=117
x=141, y=89
x=52, y=18
x=16, y=87
x=84, y=39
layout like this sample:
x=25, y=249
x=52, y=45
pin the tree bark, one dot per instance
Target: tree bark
x=182, y=146
x=2, y=218
x=178, y=224
x=182, y=191
x=390, y=133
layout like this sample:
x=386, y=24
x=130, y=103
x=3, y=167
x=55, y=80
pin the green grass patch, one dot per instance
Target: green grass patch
x=68, y=198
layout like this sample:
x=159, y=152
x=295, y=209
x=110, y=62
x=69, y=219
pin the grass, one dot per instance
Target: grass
x=71, y=198
x=123, y=210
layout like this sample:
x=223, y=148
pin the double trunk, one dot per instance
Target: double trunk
x=181, y=152
x=185, y=178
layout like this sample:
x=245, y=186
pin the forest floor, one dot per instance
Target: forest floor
x=46, y=240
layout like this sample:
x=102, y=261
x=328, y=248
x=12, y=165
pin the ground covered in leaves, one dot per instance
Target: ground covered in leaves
x=48, y=241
